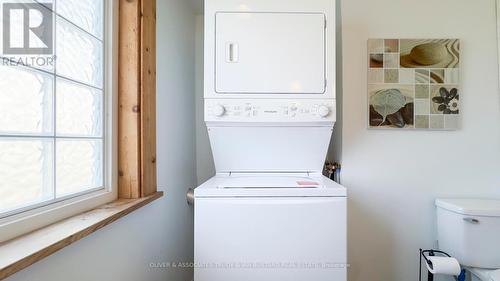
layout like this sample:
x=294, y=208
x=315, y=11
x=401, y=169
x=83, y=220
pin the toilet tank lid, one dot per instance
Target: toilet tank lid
x=471, y=207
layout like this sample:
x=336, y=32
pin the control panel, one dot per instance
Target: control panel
x=269, y=110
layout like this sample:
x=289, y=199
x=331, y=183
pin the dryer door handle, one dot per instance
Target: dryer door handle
x=232, y=52
x=471, y=220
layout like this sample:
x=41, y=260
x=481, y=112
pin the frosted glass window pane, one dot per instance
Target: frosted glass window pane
x=26, y=101
x=87, y=14
x=79, y=110
x=25, y=172
x=79, y=55
x=79, y=166
x=62, y=153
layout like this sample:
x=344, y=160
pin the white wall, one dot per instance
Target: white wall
x=335, y=149
x=393, y=177
x=162, y=231
x=205, y=167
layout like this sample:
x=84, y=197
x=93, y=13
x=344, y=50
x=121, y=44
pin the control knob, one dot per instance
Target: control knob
x=219, y=110
x=323, y=111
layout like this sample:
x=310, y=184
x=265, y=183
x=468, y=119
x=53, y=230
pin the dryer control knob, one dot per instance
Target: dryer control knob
x=323, y=111
x=219, y=110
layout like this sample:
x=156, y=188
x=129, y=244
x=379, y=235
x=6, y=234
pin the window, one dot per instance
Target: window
x=54, y=102
x=63, y=132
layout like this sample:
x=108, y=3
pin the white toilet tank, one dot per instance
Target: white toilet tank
x=469, y=230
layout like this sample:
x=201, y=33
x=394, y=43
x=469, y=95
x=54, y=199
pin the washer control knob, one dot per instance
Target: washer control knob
x=323, y=111
x=219, y=110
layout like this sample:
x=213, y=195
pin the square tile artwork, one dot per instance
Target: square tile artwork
x=414, y=83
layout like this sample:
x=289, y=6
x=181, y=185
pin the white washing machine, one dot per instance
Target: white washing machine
x=254, y=227
x=269, y=214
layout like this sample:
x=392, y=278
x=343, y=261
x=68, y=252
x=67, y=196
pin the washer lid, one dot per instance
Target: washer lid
x=269, y=185
x=248, y=182
x=471, y=207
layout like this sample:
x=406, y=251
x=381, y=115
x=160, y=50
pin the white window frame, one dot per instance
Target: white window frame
x=33, y=217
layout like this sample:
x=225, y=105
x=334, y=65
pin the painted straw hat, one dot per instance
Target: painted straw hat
x=431, y=54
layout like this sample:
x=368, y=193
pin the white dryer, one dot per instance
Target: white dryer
x=269, y=214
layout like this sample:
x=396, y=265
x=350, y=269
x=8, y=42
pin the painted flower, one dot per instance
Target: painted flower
x=454, y=104
x=448, y=101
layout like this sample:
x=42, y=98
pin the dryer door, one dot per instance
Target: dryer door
x=270, y=53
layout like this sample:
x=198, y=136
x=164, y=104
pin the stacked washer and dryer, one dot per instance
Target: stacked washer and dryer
x=269, y=86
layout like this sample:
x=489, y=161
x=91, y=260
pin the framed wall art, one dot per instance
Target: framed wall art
x=414, y=83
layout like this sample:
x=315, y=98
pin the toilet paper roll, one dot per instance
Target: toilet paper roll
x=444, y=266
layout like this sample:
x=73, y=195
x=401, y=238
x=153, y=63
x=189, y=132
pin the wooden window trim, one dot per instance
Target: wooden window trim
x=137, y=99
x=137, y=184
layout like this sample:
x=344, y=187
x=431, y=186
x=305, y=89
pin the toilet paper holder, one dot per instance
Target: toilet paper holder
x=432, y=255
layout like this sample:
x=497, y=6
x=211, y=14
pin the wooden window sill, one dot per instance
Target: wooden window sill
x=24, y=251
